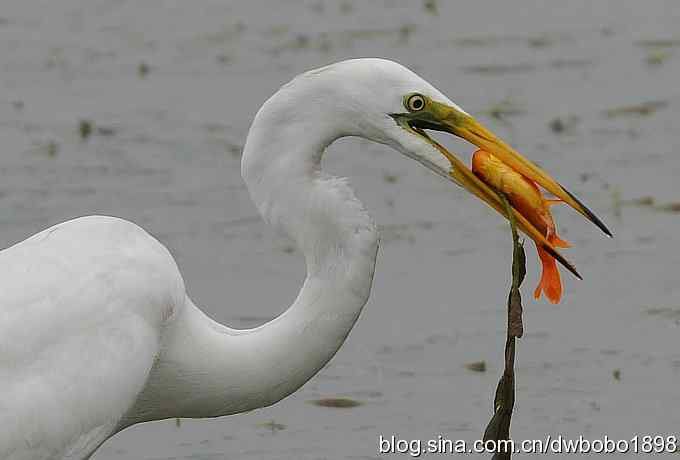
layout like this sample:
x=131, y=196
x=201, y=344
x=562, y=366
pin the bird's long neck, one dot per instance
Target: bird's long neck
x=207, y=369
x=337, y=238
x=339, y=242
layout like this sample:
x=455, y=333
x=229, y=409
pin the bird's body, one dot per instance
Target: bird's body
x=114, y=340
x=97, y=332
x=83, y=307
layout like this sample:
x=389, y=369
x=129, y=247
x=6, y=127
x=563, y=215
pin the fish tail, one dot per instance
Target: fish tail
x=550, y=283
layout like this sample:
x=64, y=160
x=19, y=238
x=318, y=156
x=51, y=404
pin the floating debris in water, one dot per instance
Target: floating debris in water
x=657, y=57
x=235, y=150
x=616, y=373
x=536, y=41
x=105, y=131
x=405, y=32
x=272, y=426
x=499, y=69
x=476, y=366
x=52, y=149
x=18, y=105
x=390, y=178
x=85, y=129
x=559, y=125
x=337, y=403
x=659, y=43
x=431, y=7
x=670, y=207
x=541, y=41
x=650, y=201
x=326, y=42
x=606, y=31
x=143, y=69
x=503, y=109
x=665, y=312
x=178, y=422
x=643, y=109
x=642, y=201
x=346, y=7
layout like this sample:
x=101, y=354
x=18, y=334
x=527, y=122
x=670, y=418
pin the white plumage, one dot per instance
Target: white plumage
x=96, y=330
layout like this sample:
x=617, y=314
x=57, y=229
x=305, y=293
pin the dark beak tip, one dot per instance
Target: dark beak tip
x=564, y=262
x=590, y=214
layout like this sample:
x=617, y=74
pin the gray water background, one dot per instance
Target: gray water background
x=171, y=88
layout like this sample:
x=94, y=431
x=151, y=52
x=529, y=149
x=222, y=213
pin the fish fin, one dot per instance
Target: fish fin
x=559, y=242
x=554, y=201
x=553, y=238
x=550, y=283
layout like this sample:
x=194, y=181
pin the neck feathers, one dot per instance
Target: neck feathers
x=281, y=166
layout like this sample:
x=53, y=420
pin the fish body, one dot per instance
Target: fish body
x=527, y=199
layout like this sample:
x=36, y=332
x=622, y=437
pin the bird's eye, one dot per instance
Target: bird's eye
x=415, y=102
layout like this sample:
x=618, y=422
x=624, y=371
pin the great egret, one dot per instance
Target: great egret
x=97, y=332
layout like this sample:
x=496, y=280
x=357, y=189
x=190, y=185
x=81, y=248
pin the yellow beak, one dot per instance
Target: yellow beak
x=442, y=117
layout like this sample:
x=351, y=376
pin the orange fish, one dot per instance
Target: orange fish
x=527, y=199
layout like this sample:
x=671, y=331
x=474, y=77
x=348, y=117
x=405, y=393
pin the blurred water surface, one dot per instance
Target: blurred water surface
x=168, y=89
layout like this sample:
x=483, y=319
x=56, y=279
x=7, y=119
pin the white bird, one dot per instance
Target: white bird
x=97, y=332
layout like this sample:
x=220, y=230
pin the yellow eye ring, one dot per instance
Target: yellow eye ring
x=415, y=103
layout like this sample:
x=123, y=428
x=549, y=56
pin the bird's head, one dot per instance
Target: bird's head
x=390, y=104
x=384, y=101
